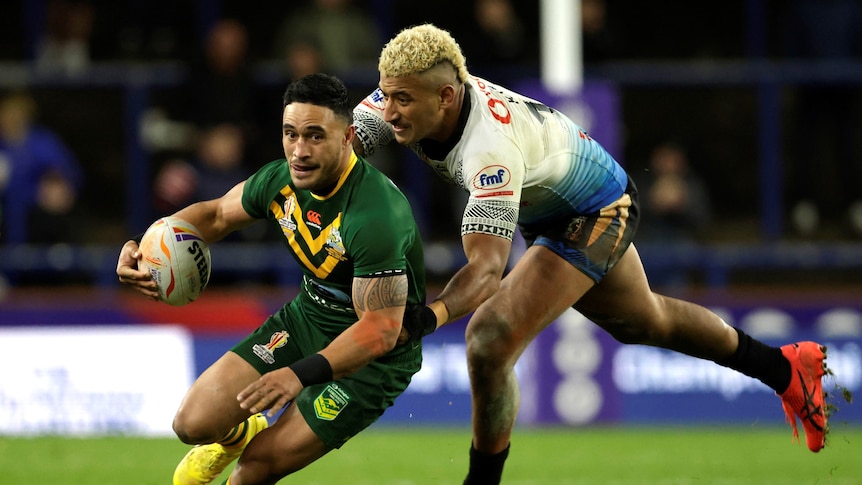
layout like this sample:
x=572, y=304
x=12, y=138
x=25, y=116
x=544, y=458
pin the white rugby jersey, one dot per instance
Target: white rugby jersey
x=521, y=161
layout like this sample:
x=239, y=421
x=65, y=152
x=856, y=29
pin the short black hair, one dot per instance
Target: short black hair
x=323, y=90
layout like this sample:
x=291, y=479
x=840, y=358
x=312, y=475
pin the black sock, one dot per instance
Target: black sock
x=756, y=359
x=486, y=469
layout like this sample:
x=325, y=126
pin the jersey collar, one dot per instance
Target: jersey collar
x=438, y=150
x=341, y=179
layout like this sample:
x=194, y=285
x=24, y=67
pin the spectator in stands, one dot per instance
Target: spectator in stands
x=304, y=57
x=65, y=46
x=222, y=85
x=826, y=158
x=220, y=158
x=599, y=40
x=221, y=89
x=216, y=167
x=675, y=208
x=174, y=186
x=498, y=35
x=346, y=36
x=56, y=221
x=27, y=152
x=157, y=30
x=675, y=201
x=54, y=218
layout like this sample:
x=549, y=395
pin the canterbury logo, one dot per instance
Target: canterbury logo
x=313, y=217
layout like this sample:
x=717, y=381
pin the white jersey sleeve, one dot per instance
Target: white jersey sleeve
x=373, y=132
x=490, y=167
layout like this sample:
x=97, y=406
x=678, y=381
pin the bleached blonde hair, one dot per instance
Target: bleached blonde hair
x=417, y=49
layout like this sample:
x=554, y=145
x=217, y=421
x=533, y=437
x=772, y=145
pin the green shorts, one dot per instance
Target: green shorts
x=338, y=410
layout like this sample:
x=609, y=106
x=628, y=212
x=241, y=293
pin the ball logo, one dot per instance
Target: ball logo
x=201, y=262
x=178, y=258
x=492, y=178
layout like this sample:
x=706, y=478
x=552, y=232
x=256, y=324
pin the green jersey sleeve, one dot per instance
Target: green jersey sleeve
x=257, y=195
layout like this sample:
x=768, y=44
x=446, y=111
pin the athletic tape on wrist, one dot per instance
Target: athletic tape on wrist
x=314, y=369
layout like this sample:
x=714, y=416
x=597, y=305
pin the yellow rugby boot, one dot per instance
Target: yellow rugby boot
x=204, y=463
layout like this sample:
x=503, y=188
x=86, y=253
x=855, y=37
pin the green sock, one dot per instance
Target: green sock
x=235, y=436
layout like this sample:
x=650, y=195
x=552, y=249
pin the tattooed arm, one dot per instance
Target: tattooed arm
x=379, y=303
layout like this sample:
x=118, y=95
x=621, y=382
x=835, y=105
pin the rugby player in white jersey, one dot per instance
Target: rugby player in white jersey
x=526, y=165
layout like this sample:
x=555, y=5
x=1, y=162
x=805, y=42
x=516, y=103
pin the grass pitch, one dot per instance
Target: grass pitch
x=420, y=456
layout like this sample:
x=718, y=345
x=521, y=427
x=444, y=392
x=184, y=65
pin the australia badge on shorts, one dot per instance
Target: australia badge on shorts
x=329, y=403
x=265, y=352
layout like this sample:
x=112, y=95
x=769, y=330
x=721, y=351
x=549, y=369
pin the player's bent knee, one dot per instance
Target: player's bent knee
x=183, y=436
x=194, y=432
x=490, y=337
x=183, y=433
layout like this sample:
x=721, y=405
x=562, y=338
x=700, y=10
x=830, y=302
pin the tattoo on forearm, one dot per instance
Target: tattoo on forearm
x=371, y=294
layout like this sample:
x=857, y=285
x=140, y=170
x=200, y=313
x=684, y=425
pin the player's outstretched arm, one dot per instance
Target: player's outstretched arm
x=217, y=218
x=474, y=283
x=487, y=257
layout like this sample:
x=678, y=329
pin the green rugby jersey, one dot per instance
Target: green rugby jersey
x=364, y=227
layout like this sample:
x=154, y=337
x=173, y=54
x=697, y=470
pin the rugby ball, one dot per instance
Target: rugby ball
x=178, y=258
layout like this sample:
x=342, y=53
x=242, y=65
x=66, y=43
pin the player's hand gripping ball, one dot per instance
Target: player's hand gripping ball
x=178, y=258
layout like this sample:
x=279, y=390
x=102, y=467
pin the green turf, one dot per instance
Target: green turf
x=382, y=455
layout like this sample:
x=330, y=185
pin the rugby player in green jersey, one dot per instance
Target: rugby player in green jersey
x=333, y=352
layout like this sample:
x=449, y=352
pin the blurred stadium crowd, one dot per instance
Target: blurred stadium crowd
x=739, y=120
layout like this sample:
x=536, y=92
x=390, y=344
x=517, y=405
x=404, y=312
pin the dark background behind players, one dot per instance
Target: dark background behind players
x=711, y=104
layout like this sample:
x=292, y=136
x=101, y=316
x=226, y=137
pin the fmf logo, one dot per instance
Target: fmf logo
x=493, y=177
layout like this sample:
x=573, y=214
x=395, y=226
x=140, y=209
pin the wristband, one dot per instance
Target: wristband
x=314, y=369
x=419, y=320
